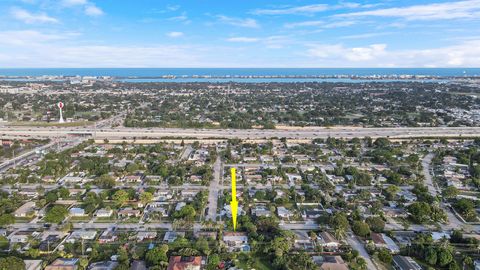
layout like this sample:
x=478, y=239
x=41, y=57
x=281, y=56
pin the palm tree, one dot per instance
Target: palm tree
x=362, y=263
x=340, y=233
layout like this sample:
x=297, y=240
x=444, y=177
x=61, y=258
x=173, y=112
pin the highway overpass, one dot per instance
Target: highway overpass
x=300, y=133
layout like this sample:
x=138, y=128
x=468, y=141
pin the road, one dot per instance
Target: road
x=99, y=226
x=57, y=136
x=186, y=152
x=213, y=190
x=426, y=162
x=453, y=221
x=9, y=163
x=358, y=246
x=299, y=226
x=293, y=133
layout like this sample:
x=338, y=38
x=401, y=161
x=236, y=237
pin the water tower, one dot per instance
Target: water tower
x=60, y=107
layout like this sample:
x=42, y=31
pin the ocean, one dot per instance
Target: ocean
x=155, y=72
x=230, y=74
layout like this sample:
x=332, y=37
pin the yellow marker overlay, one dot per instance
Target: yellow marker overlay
x=234, y=203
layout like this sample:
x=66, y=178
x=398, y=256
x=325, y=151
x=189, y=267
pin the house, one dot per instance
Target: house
x=71, y=179
x=104, y=213
x=104, y=265
x=405, y=263
x=408, y=196
x=292, y=178
x=476, y=264
x=129, y=213
x=171, y=236
x=236, y=241
x=328, y=241
x=180, y=205
x=207, y=235
x=303, y=241
x=188, y=194
x=228, y=211
x=185, y=263
x=49, y=243
x=108, y=236
x=404, y=238
x=144, y=235
x=20, y=237
x=81, y=235
x=63, y=264
x=157, y=208
x=132, y=179
x=261, y=211
x=312, y=214
x=48, y=179
x=195, y=178
x=394, y=212
x=32, y=194
x=138, y=265
x=77, y=212
x=437, y=236
x=33, y=264
x=26, y=210
x=76, y=191
x=283, y=212
x=383, y=241
x=330, y=262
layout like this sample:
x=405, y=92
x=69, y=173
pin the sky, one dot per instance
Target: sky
x=248, y=33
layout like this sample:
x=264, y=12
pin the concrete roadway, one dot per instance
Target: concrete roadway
x=358, y=246
x=7, y=164
x=214, y=190
x=293, y=133
x=453, y=221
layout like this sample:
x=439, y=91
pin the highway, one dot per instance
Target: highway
x=9, y=163
x=291, y=133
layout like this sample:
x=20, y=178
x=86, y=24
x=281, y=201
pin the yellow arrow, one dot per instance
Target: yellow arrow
x=234, y=203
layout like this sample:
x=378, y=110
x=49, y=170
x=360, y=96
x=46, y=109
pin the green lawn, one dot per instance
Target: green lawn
x=258, y=263
x=51, y=124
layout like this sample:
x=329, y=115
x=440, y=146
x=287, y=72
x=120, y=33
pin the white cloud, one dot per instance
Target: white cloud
x=351, y=54
x=243, y=39
x=89, y=8
x=58, y=55
x=309, y=9
x=180, y=18
x=437, y=11
x=304, y=24
x=74, y=2
x=366, y=35
x=92, y=10
x=175, y=34
x=29, y=37
x=31, y=18
x=173, y=7
x=466, y=54
x=320, y=24
x=271, y=42
x=247, y=22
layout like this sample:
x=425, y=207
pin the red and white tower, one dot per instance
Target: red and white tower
x=60, y=106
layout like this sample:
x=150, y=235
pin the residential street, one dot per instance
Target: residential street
x=358, y=246
x=213, y=190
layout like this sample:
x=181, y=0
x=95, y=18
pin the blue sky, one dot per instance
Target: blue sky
x=260, y=33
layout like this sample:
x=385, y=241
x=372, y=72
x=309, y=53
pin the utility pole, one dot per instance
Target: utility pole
x=58, y=142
